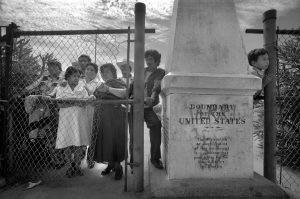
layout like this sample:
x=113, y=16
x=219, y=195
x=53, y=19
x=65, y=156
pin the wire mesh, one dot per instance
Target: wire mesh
x=288, y=136
x=48, y=136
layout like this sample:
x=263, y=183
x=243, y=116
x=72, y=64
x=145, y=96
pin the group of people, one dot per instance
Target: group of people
x=99, y=128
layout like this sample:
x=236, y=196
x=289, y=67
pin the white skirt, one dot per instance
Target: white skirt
x=73, y=127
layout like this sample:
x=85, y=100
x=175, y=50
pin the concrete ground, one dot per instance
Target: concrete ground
x=93, y=185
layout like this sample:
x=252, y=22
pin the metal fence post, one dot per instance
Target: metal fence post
x=126, y=115
x=269, y=30
x=138, y=108
x=5, y=90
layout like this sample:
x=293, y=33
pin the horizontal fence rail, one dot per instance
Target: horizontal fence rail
x=280, y=32
x=78, y=32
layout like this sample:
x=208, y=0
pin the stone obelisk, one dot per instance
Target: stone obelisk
x=207, y=104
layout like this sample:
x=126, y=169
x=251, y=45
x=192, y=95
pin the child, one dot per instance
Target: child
x=72, y=126
x=48, y=81
x=259, y=62
x=83, y=61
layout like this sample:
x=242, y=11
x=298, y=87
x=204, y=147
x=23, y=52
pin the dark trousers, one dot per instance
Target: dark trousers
x=154, y=125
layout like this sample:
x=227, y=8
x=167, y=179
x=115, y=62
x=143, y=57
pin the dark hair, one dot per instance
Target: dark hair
x=54, y=63
x=128, y=65
x=70, y=71
x=255, y=53
x=111, y=67
x=94, y=65
x=155, y=54
x=85, y=56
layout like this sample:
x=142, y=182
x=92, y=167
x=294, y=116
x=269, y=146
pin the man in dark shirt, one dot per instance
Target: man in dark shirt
x=153, y=77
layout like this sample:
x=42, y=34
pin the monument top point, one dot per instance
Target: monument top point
x=206, y=38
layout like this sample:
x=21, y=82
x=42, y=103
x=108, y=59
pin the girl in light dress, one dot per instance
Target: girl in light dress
x=73, y=123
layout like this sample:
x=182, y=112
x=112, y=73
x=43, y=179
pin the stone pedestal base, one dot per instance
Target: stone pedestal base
x=256, y=187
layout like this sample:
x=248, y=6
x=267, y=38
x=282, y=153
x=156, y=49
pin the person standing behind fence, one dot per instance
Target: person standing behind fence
x=83, y=61
x=48, y=82
x=126, y=70
x=72, y=126
x=153, y=77
x=92, y=82
x=259, y=62
x=110, y=127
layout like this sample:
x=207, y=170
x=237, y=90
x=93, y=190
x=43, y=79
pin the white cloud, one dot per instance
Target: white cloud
x=250, y=10
x=104, y=14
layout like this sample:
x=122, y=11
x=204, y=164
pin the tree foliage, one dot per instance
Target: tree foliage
x=26, y=67
x=288, y=135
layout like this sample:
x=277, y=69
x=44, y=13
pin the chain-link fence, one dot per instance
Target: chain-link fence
x=287, y=109
x=51, y=108
x=288, y=84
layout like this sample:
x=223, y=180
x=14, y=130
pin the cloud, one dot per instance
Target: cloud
x=115, y=14
x=251, y=11
x=57, y=14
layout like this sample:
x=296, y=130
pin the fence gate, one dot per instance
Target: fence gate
x=30, y=149
x=288, y=88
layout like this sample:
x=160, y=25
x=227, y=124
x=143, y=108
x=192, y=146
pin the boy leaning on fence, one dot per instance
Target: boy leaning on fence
x=259, y=62
x=48, y=81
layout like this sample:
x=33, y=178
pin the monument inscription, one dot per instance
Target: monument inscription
x=211, y=152
x=212, y=114
x=208, y=125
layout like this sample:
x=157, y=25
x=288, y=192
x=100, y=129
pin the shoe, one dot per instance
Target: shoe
x=33, y=184
x=91, y=164
x=157, y=164
x=119, y=173
x=108, y=169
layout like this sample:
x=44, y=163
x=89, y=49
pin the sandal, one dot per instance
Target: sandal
x=33, y=184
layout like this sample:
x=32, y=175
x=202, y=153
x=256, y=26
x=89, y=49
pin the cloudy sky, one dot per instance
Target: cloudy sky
x=111, y=14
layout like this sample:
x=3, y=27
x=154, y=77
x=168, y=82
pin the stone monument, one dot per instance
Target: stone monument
x=207, y=106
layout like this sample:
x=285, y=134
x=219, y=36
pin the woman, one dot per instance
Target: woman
x=92, y=82
x=109, y=123
x=72, y=131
